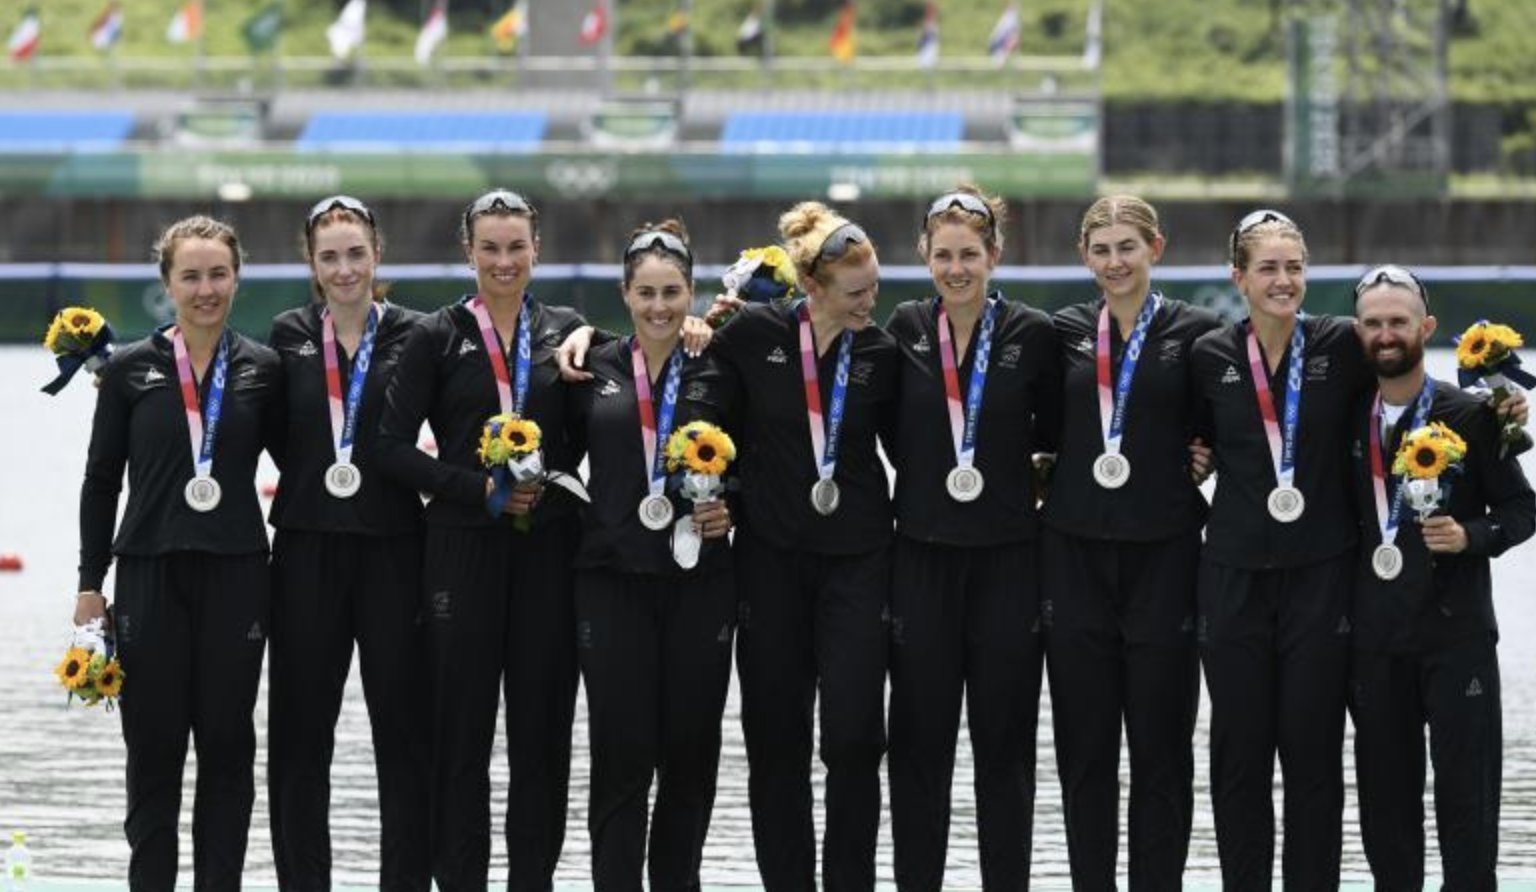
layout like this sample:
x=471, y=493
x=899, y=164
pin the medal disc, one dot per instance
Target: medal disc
x=1111, y=470
x=203, y=493
x=1387, y=561
x=825, y=496
x=1286, y=503
x=343, y=480
x=964, y=484
x=656, y=512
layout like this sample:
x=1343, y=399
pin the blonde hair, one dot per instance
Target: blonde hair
x=991, y=231
x=1128, y=209
x=1244, y=242
x=196, y=227
x=805, y=229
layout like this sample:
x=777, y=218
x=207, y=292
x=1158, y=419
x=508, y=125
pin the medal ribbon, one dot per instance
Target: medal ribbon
x=825, y=433
x=511, y=392
x=1389, y=516
x=344, y=415
x=963, y=424
x=202, y=421
x=654, y=431
x=1282, y=438
x=1112, y=405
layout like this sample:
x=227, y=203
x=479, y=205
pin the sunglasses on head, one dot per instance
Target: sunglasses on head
x=499, y=199
x=668, y=242
x=835, y=245
x=345, y=202
x=965, y=201
x=1391, y=274
x=1257, y=218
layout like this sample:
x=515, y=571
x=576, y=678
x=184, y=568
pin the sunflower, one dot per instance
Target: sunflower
x=73, y=329
x=700, y=448
x=109, y=683
x=1473, y=346
x=1428, y=451
x=521, y=435
x=74, y=670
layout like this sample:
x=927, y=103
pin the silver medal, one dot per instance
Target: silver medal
x=1387, y=561
x=1111, y=470
x=656, y=512
x=963, y=483
x=1286, y=503
x=825, y=496
x=343, y=480
x=203, y=493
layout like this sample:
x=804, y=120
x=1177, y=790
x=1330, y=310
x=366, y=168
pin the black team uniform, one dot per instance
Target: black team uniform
x=965, y=594
x=814, y=593
x=654, y=642
x=498, y=599
x=1274, y=605
x=1425, y=652
x=192, y=601
x=1118, y=604
x=344, y=570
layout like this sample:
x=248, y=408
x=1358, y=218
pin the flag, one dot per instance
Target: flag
x=24, y=39
x=750, y=35
x=1093, y=50
x=928, y=38
x=187, y=24
x=108, y=27
x=347, y=32
x=433, y=32
x=262, y=29
x=594, y=24
x=511, y=27
x=1005, y=34
x=841, y=43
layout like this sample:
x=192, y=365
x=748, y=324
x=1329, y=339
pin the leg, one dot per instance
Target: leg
x=851, y=644
x=1466, y=742
x=1003, y=695
x=391, y=654
x=232, y=611
x=154, y=640
x=698, y=625
x=619, y=649
x=1238, y=645
x=311, y=646
x=541, y=678
x=927, y=665
x=1389, y=765
x=777, y=671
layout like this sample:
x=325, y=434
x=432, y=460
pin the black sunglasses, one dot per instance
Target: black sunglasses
x=965, y=201
x=345, y=202
x=1391, y=274
x=497, y=199
x=835, y=245
x=668, y=242
x=1254, y=219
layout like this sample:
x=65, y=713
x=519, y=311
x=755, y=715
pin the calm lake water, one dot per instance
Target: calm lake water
x=61, y=769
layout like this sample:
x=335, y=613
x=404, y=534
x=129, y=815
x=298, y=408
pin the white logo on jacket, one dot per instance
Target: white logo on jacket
x=609, y=388
x=778, y=356
x=153, y=376
x=307, y=349
x=467, y=346
x=921, y=344
x=1230, y=376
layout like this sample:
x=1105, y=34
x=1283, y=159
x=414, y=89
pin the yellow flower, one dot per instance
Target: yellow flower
x=522, y=435
x=776, y=259
x=72, y=329
x=1472, y=348
x=701, y=448
x=109, y=683
x=74, y=670
x=1428, y=451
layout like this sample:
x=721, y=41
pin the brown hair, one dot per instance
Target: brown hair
x=1113, y=209
x=671, y=226
x=199, y=226
x=991, y=231
x=503, y=203
x=1245, y=241
x=805, y=229
x=339, y=214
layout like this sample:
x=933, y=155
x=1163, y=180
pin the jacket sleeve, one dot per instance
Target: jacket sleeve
x=105, y=462
x=1511, y=516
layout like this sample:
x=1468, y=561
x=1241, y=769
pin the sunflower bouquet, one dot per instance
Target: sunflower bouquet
x=1425, y=455
x=700, y=452
x=78, y=337
x=511, y=448
x=89, y=670
x=1486, y=352
x=760, y=275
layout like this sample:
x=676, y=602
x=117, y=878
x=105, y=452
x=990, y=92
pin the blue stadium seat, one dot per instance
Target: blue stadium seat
x=464, y=132
x=842, y=132
x=63, y=131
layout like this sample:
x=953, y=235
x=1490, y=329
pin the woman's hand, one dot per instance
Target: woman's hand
x=1200, y=461
x=89, y=605
x=696, y=335
x=1515, y=408
x=722, y=308
x=572, y=355
x=711, y=519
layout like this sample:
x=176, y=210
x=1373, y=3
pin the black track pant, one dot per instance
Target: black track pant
x=1456, y=693
x=328, y=590
x=655, y=654
x=1275, y=644
x=963, y=620
x=191, y=631
x=809, y=622
x=1119, y=622
x=501, y=620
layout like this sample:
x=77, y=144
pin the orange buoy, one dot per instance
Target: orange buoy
x=11, y=562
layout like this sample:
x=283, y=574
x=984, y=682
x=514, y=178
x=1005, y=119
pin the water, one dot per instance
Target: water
x=61, y=769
